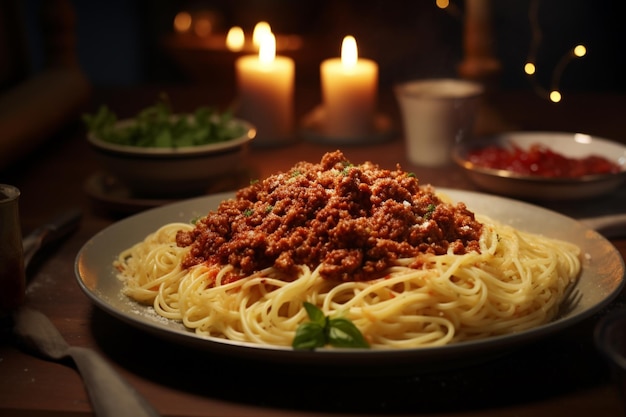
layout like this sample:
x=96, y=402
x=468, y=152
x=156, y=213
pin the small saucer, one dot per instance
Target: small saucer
x=113, y=196
x=313, y=130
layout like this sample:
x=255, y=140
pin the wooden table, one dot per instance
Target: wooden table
x=559, y=375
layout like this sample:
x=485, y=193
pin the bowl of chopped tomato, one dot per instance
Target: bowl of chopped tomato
x=544, y=165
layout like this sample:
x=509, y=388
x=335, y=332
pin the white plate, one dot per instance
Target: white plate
x=572, y=145
x=601, y=280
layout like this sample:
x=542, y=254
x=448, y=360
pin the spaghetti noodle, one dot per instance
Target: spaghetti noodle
x=429, y=293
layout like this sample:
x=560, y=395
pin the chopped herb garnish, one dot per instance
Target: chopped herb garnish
x=248, y=212
x=346, y=170
x=429, y=211
x=322, y=330
x=158, y=126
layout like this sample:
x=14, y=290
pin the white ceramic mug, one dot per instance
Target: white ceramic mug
x=437, y=113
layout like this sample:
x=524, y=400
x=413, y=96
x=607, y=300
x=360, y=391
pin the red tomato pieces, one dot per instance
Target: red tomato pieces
x=541, y=160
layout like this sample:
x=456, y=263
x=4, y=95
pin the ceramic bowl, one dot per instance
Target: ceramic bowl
x=172, y=172
x=571, y=145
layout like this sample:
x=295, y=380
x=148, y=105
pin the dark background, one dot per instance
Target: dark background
x=119, y=42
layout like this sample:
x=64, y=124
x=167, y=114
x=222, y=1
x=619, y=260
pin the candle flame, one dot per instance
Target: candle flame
x=261, y=29
x=267, y=48
x=349, y=52
x=235, y=39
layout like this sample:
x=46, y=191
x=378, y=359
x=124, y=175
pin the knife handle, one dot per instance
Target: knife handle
x=110, y=395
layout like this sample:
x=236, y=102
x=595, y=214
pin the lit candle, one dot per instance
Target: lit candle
x=266, y=92
x=349, y=92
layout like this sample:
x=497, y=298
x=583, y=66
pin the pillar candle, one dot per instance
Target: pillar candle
x=349, y=92
x=266, y=93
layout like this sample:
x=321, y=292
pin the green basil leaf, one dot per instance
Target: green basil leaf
x=316, y=315
x=309, y=336
x=321, y=331
x=343, y=333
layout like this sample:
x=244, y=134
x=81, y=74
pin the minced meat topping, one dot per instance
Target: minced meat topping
x=354, y=221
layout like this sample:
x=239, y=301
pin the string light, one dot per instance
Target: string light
x=448, y=7
x=580, y=51
x=530, y=68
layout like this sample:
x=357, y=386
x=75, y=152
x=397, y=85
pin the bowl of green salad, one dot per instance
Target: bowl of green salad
x=160, y=153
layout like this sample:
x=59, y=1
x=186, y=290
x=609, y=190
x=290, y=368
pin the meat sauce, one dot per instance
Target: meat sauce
x=541, y=160
x=353, y=220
